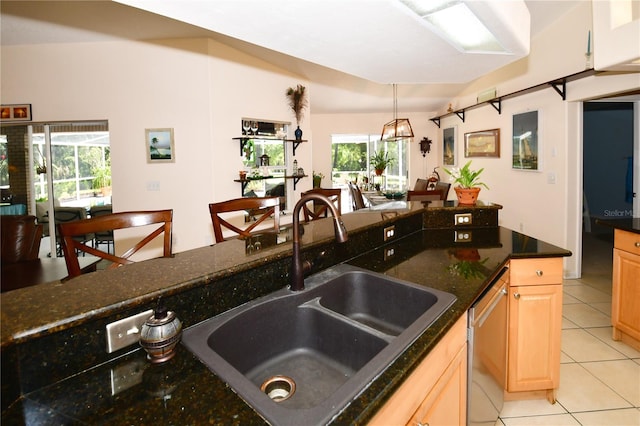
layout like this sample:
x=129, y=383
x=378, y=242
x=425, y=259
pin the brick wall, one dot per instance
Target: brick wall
x=18, y=163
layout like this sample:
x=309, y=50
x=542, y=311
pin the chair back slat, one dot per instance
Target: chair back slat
x=356, y=197
x=266, y=207
x=313, y=211
x=110, y=222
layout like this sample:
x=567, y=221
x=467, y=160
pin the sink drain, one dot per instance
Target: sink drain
x=279, y=388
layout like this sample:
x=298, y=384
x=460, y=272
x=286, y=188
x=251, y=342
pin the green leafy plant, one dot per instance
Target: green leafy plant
x=380, y=160
x=297, y=101
x=317, y=175
x=465, y=177
x=101, y=177
x=468, y=269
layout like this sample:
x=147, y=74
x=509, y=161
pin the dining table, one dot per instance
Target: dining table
x=42, y=270
x=375, y=198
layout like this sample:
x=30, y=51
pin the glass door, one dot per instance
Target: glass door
x=71, y=172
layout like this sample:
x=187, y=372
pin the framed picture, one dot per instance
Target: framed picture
x=160, y=146
x=525, y=141
x=17, y=112
x=449, y=146
x=485, y=143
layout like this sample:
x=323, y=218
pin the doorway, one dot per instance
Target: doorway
x=58, y=166
x=608, y=179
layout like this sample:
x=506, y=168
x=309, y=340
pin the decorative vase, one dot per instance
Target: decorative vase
x=298, y=133
x=317, y=180
x=379, y=172
x=467, y=196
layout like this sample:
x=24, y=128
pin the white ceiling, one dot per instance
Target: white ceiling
x=348, y=49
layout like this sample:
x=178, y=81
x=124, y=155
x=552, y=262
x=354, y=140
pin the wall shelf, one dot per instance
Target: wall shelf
x=245, y=182
x=559, y=85
x=243, y=141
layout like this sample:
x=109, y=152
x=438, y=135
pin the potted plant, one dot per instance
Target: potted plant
x=297, y=98
x=102, y=180
x=468, y=183
x=380, y=160
x=317, y=179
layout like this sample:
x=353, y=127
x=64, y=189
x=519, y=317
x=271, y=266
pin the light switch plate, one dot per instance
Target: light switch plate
x=126, y=331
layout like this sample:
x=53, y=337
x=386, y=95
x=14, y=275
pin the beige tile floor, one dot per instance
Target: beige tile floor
x=599, y=378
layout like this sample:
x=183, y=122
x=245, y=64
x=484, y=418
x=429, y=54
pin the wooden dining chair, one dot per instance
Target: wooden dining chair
x=110, y=222
x=266, y=207
x=313, y=211
x=105, y=237
x=71, y=214
x=444, y=188
x=357, y=200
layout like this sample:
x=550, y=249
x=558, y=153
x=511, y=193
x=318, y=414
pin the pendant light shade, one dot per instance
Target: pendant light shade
x=398, y=128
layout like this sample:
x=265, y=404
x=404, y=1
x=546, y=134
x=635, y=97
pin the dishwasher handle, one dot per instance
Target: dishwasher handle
x=480, y=317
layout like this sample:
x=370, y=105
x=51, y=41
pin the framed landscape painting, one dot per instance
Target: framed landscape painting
x=525, y=141
x=160, y=146
x=485, y=143
x=449, y=146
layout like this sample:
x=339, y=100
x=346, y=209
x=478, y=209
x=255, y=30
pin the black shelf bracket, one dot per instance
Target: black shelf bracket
x=497, y=104
x=559, y=85
x=556, y=86
x=244, y=183
x=295, y=145
x=296, y=179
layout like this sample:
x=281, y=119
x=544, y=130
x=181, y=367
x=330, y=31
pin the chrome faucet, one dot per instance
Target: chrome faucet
x=298, y=266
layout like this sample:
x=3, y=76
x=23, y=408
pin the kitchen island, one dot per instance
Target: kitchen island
x=56, y=358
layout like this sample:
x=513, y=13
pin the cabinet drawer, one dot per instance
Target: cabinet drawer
x=536, y=271
x=627, y=241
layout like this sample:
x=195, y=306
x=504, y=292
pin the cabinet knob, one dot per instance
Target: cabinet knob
x=539, y=273
x=516, y=295
x=637, y=244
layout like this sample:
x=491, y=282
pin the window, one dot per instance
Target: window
x=81, y=170
x=350, y=160
x=4, y=162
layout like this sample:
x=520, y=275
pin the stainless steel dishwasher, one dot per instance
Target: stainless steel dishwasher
x=487, y=356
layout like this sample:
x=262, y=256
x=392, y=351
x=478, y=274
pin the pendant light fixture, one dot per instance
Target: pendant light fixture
x=398, y=128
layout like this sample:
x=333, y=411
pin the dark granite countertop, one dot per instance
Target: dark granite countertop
x=129, y=390
x=631, y=224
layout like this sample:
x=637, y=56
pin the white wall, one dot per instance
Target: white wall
x=551, y=212
x=202, y=89
x=198, y=87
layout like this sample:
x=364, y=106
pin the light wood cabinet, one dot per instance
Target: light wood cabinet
x=436, y=392
x=625, y=304
x=535, y=325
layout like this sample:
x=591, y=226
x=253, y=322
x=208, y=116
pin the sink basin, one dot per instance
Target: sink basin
x=300, y=357
x=370, y=300
x=301, y=343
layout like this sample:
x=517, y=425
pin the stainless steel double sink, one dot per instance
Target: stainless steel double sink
x=301, y=357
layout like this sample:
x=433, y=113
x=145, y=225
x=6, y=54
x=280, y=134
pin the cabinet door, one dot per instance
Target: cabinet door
x=445, y=403
x=535, y=322
x=625, y=307
x=436, y=389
